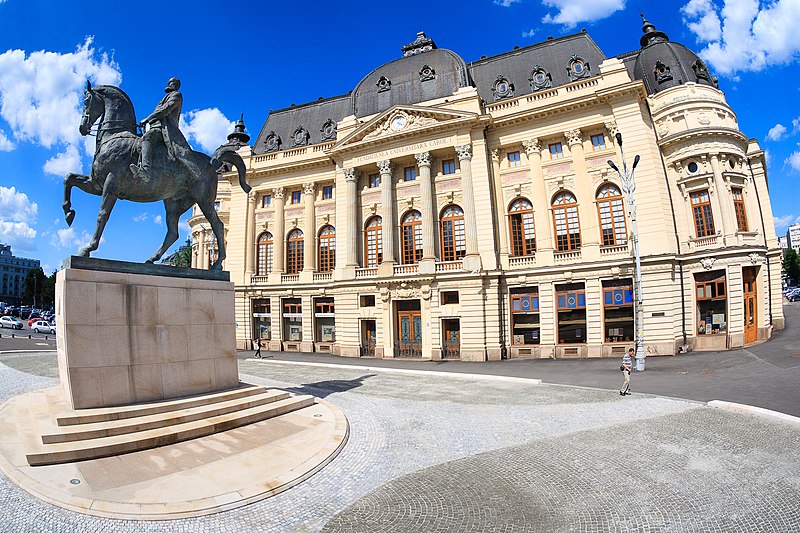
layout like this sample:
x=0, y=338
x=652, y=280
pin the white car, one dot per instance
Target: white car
x=42, y=326
x=10, y=322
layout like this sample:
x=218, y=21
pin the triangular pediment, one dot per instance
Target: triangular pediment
x=400, y=121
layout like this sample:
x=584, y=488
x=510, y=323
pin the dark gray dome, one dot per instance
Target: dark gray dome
x=662, y=64
x=424, y=73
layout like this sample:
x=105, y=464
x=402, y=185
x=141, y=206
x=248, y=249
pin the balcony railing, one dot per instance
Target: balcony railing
x=323, y=276
x=564, y=257
x=617, y=249
x=521, y=261
x=256, y=280
x=290, y=278
x=449, y=266
x=704, y=242
x=368, y=272
x=400, y=270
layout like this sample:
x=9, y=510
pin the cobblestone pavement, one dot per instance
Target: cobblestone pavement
x=450, y=453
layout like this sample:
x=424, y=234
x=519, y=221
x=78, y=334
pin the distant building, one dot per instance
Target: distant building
x=783, y=242
x=793, y=237
x=12, y=275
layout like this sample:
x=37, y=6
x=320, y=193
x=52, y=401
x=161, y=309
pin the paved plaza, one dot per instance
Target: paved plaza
x=449, y=452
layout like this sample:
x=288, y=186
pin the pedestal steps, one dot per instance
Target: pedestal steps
x=95, y=433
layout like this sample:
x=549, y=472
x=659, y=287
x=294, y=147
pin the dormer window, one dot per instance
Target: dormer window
x=662, y=72
x=328, y=130
x=384, y=84
x=577, y=68
x=701, y=71
x=540, y=78
x=272, y=142
x=502, y=88
x=300, y=136
x=427, y=73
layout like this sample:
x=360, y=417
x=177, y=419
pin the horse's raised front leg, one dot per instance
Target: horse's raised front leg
x=106, y=205
x=174, y=209
x=71, y=180
x=207, y=207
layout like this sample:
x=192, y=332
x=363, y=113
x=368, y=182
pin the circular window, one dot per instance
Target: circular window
x=539, y=78
x=329, y=130
x=692, y=167
x=577, y=67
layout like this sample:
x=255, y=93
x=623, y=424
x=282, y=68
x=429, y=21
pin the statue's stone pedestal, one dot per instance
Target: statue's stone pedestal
x=130, y=333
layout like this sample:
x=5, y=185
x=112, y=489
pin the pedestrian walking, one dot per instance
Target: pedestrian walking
x=627, y=361
x=258, y=348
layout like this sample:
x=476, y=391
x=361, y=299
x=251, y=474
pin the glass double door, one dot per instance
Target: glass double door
x=750, y=305
x=409, y=329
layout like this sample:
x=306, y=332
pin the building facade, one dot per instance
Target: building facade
x=13, y=270
x=447, y=210
x=793, y=237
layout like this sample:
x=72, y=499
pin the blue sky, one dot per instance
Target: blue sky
x=249, y=57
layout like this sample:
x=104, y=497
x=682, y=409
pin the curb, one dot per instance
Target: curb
x=488, y=377
x=758, y=411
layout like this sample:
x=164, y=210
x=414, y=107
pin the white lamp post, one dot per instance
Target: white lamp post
x=630, y=186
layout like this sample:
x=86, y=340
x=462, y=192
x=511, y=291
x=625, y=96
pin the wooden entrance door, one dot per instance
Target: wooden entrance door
x=410, y=328
x=750, y=305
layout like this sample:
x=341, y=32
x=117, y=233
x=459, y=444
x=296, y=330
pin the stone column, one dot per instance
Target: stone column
x=386, y=268
x=310, y=238
x=278, y=236
x=472, y=260
x=351, y=176
x=542, y=220
x=728, y=228
x=501, y=207
x=249, y=237
x=590, y=231
x=202, y=254
x=428, y=263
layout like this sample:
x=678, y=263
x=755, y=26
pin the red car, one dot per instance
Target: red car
x=33, y=319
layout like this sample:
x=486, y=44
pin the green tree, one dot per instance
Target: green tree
x=49, y=291
x=791, y=266
x=34, y=284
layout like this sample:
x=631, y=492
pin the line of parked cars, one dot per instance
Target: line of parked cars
x=792, y=293
x=38, y=321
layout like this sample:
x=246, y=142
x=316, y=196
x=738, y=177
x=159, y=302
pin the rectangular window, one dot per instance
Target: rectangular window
x=618, y=310
x=296, y=197
x=702, y=214
x=738, y=205
x=571, y=309
x=327, y=192
x=598, y=142
x=262, y=319
x=292, y=319
x=374, y=181
x=711, y=303
x=324, y=330
x=556, y=151
x=513, y=159
x=449, y=166
x=449, y=297
x=410, y=173
x=525, y=316
x=367, y=300
x=266, y=200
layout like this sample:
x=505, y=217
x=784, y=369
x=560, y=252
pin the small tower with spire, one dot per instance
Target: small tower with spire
x=239, y=137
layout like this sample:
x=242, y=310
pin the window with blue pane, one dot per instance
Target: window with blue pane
x=571, y=313
x=618, y=323
x=525, y=316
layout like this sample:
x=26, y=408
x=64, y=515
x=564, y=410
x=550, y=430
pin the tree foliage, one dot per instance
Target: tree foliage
x=791, y=266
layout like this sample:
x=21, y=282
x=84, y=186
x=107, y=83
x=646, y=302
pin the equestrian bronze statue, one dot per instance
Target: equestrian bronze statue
x=160, y=166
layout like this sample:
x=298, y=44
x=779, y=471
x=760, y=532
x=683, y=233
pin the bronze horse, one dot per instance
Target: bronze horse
x=118, y=147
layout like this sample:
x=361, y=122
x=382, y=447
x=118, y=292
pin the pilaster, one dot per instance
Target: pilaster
x=428, y=262
x=590, y=234
x=540, y=201
x=472, y=260
x=249, y=237
x=278, y=238
x=386, y=268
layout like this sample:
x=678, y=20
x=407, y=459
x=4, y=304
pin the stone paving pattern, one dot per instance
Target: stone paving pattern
x=450, y=453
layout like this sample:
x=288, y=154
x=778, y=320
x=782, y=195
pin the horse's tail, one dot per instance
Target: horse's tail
x=225, y=154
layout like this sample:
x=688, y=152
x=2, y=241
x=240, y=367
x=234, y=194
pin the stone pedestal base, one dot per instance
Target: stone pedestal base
x=130, y=333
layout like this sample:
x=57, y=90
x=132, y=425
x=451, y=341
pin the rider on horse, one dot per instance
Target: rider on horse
x=164, y=130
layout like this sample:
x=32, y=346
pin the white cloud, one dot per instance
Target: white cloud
x=67, y=161
x=209, y=128
x=6, y=145
x=793, y=161
x=781, y=223
x=529, y=33
x=67, y=238
x=141, y=217
x=158, y=220
x=144, y=217
x=16, y=206
x=743, y=35
x=18, y=234
x=796, y=125
x=776, y=132
x=506, y=3
x=571, y=12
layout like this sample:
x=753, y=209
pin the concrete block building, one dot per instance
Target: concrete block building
x=453, y=210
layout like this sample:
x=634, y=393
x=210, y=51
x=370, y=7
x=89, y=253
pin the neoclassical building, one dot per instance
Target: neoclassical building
x=453, y=210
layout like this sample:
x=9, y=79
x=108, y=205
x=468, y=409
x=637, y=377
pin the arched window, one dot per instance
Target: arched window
x=373, y=242
x=264, y=254
x=568, y=226
x=454, y=240
x=523, y=234
x=412, y=237
x=327, y=249
x=294, y=252
x=612, y=215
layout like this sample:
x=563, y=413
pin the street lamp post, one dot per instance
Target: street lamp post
x=629, y=187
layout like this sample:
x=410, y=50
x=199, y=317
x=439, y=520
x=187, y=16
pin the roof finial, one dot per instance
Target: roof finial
x=651, y=34
x=238, y=135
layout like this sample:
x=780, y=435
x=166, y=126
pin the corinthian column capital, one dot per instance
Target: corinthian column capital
x=309, y=188
x=423, y=159
x=352, y=174
x=532, y=146
x=611, y=126
x=464, y=152
x=385, y=167
x=277, y=193
x=573, y=137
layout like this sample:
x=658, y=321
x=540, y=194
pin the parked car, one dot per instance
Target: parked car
x=42, y=326
x=793, y=295
x=33, y=318
x=10, y=322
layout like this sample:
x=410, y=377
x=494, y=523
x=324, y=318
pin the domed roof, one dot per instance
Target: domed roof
x=662, y=64
x=425, y=72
